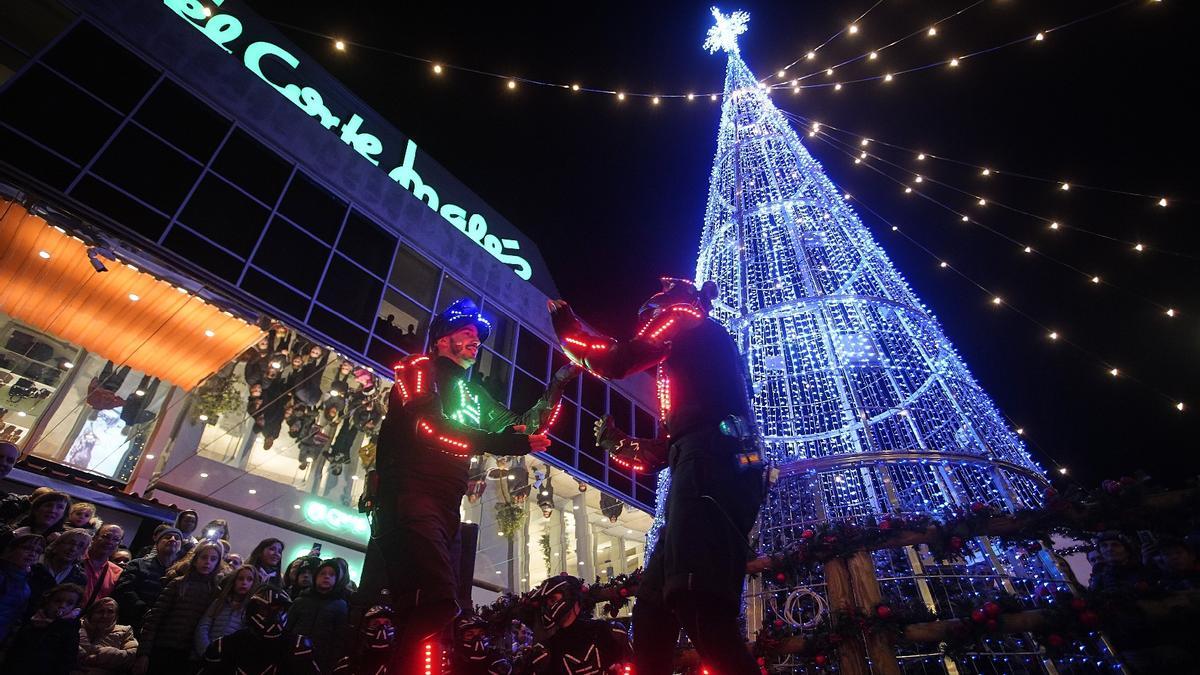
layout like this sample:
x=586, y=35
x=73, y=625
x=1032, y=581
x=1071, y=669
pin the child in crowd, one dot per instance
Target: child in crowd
x=105, y=648
x=322, y=612
x=60, y=563
x=18, y=556
x=82, y=516
x=186, y=523
x=225, y=614
x=48, y=643
x=300, y=572
x=265, y=559
x=170, y=627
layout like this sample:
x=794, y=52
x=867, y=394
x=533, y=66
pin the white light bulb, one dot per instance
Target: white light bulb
x=873, y=56
x=782, y=73
x=1062, y=470
x=812, y=55
x=1020, y=431
x=864, y=142
x=1139, y=248
x=1114, y=372
x=1028, y=249
x=1064, y=187
x=943, y=264
x=954, y=63
x=1095, y=280
x=209, y=333
x=966, y=218
x=829, y=71
x=691, y=96
x=134, y=297
x=713, y=97
x=997, y=300
x=1039, y=37
x=1053, y=335
x=512, y=84
x=655, y=100
x=887, y=78
x=982, y=202
x=1054, y=225
x=204, y=475
x=252, y=491
x=575, y=87
x=1179, y=406
x=340, y=46
x=852, y=29
x=44, y=255
x=437, y=68
x=907, y=190
x=1162, y=202
x=919, y=179
x=1171, y=312
x=620, y=96
x=986, y=172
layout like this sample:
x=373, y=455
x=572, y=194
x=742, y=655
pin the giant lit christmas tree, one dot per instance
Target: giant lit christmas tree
x=862, y=400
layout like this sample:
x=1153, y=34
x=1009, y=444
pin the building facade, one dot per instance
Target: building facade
x=195, y=213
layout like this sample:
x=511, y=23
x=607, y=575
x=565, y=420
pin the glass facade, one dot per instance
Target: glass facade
x=142, y=156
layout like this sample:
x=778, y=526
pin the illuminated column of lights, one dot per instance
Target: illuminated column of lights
x=863, y=402
x=845, y=360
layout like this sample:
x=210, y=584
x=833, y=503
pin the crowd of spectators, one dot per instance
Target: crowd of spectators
x=75, y=601
x=1158, y=563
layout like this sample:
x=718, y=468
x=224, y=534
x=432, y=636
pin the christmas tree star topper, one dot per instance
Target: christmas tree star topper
x=724, y=34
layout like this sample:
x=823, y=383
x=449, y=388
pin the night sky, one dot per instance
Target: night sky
x=614, y=192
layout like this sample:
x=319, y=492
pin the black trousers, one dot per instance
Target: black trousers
x=694, y=578
x=413, y=554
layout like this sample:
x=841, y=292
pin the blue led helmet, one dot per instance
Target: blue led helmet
x=460, y=314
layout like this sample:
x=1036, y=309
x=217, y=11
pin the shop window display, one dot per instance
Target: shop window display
x=309, y=419
x=33, y=366
x=103, y=418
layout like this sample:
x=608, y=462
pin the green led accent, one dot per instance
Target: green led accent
x=336, y=520
x=469, y=412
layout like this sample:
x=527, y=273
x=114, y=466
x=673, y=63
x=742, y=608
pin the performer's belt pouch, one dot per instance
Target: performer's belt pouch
x=752, y=455
x=369, y=498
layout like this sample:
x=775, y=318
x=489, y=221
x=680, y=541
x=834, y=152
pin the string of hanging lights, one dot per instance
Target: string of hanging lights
x=952, y=61
x=811, y=55
x=998, y=301
x=1138, y=246
x=984, y=170
x=512, y=82
x=1091, y=277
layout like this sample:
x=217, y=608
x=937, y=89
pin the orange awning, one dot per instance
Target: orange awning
x=47, y=282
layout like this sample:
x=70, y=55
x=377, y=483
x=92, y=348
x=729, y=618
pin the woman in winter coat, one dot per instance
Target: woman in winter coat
x=18, y=556
x=47, y=515
x=321, y=612
x=105, y=648
x=170, y=627
x=226, y=613
x=266, y=558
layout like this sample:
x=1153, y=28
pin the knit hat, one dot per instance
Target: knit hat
x=161, y=532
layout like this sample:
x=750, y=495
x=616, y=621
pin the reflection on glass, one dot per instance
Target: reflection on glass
x=492, y=373
x=452, y=291
x=308, y=418
x=504, y=332
x=401, y=322
x=414, y=275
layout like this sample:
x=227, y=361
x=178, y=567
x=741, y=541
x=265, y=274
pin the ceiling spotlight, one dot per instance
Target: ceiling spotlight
x=932, y=31
x=209, y=333
x=68, y=365
x=203, y=475
x=139, y=392
x=252, y=491
x=204, y=418
x=982, y=202
x=134, y=297
x=44, y=255
x=919, y=179
x=655, y=100
x=149, y=456
x=690, y=96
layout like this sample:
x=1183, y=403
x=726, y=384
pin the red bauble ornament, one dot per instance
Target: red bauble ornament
x=978, y=615
x=1089, y=618
x=779, y=623
x=820, y=659
x=829, y=539
x=1055, y=640
x=956, y=543
x=623, y=592
x=781, y=577
x=883, y=612
x=885, y=524
x=1078, y=604
x=992, y=624
x=992, y=609
x=807, y=534
x=762, y=661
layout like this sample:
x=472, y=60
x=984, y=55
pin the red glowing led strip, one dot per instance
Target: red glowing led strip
x=664, y=392
x=428, y=658
x=446, y=440
x=553, y=417
x=585, y=345
x=634, y=465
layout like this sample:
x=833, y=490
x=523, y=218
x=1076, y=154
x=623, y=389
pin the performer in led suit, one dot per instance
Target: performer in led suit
x=375, y=657
x=694, y=577
x=263, y=646
x=437, y=421
x=473, y=652
x=570, y=644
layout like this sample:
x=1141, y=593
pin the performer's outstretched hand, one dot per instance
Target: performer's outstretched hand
x=537, y=442
x=553, y=306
